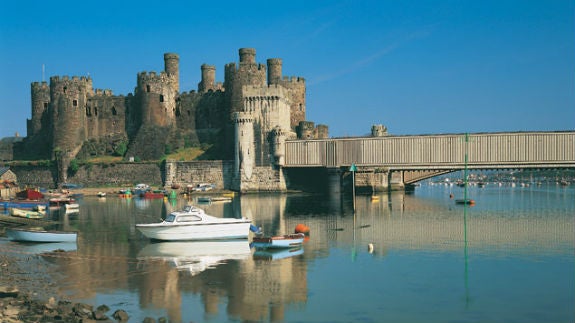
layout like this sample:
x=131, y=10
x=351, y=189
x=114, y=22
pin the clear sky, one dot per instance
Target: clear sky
x=416, y=66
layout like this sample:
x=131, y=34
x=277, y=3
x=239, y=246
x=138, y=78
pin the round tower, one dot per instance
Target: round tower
x=156, y=99
x=208, y=78
x=322, y=131
x=244, y=144
x=278, y=139
x=305, y=130
x=40, y=101
x=172, y=68
x=274, y=70
x=247, y=56
x=68, y=99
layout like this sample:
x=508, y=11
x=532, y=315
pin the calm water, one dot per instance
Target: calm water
x=509, y=258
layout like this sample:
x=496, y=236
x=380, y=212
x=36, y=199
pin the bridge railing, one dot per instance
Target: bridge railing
x=484, y=150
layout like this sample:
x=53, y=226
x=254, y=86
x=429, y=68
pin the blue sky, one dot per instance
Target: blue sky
x=418, y=67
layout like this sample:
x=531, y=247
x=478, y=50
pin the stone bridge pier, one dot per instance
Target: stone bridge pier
x=367, y=180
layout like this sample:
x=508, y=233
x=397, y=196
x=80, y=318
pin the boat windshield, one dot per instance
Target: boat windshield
x=170, y=218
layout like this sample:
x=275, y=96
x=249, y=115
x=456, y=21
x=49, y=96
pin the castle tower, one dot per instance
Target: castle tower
x=378, y=130
x=274, y=70
x=306, y=130
x=247, y=56
x=244, y=145
x=68, y=100
x=40, y=102
x=322, y=131
x=156, y=99
x=278, y=138
x=172, y=67
x=208, y=78
x=248, y=73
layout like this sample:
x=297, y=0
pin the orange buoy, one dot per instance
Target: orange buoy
x=302, y=228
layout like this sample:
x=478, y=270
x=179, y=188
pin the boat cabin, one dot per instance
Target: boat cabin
x=188, y=214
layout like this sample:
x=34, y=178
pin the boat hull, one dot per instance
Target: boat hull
x=28, y=214
x=190, y=232
x=279, y=242
x=40, y=236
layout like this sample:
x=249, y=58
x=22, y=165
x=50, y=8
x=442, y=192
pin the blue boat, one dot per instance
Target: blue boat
x=22, y=204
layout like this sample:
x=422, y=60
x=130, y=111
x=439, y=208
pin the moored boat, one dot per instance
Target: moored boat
x=29, y=214
x=40, y=235
x=56, y=203
x=465, y=201
x=193, y=223
x=156, y=194
x=279, y=242
x=21, y=204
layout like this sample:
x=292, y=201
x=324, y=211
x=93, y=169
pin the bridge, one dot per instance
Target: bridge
x=402, y=160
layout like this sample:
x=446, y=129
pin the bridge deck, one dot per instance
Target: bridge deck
x=554, y=149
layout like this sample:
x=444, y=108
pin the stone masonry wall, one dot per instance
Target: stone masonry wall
x=218, y=172
x=126, y=174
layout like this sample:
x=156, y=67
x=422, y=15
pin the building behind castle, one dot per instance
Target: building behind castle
x=247, y=118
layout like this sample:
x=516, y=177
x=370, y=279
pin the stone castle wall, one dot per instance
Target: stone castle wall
x=217, y=172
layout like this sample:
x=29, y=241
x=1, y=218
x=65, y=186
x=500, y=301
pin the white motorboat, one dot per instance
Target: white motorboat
x=193, y=223
x=195, y=256
x=40, y=235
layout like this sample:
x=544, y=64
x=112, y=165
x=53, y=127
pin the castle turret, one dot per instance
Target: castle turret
x=278, y=139
x=306, y=130
x=247, y=56
x=244, y=144
x=40, y=102
x=156, y=98
x=274, y=70
x=172, y=68
x=208, y=78
x=378, y=130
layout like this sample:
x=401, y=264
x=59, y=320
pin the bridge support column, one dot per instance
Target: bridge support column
x=371, y=179
x=395, y=180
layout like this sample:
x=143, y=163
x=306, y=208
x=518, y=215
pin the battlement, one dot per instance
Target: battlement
x=56, y=79
x=243, y=117
x=40, y=86
x=147, y=78
x=104, y=92
x=270, y=91
x=293, y=79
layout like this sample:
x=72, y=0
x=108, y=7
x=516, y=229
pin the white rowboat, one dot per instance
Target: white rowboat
x=279, y=242
x=40, y=235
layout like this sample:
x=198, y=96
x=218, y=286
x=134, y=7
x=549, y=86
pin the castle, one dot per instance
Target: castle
x=247, y=118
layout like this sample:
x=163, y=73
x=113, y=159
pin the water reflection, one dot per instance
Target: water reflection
x=194, y=257
x=389, y=247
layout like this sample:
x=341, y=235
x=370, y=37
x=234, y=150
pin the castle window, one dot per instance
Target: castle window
x=114, y=112
x=189, y=113
x=161, y=98
x=45, y=105
x=65, y=88
x=75, y=103
x=88, y=112
x=147, y=88
x=96, y=111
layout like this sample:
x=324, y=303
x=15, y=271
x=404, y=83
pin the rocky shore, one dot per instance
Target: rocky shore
x=27, y=296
